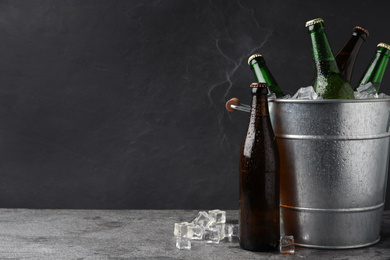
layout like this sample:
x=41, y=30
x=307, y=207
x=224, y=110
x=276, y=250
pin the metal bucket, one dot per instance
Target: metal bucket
x=334, y=163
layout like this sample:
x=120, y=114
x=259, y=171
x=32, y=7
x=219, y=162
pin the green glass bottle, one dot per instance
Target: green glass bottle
x=263, y=74
x=376, y=69
x=346, y=57
x=328, y=83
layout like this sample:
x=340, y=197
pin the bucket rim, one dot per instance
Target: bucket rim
x=367, y=100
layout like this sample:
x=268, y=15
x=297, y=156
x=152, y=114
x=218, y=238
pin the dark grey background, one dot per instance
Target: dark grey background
x=120, y=104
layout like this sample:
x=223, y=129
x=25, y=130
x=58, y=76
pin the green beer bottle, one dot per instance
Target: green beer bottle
x=376, y=69
x=263, y=74
x=328, y=83
x=346, y=57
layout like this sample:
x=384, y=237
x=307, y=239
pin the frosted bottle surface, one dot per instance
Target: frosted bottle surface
x=259, y=179
x=328, y=82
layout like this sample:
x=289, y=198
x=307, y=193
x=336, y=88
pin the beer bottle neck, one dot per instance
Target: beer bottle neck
x=323, y=58
x=376, y=69
x=263, y=75
x=259, y=102
x=259, y=119
x=261, y=71
x=346, y=57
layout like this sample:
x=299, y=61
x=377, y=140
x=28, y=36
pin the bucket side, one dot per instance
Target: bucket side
x=333, y=174
x=334, y=163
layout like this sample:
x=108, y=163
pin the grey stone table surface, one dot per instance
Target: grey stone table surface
x=136, y=234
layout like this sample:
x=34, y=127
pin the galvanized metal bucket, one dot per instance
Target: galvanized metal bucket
x=334, y=163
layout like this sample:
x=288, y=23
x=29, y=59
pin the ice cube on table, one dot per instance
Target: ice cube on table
x=183, y=243
x=221, y=228
x=212, y=234
x=195, y=232
x=218, y=215
x=203, y=219
x=188, y=230
x=182, y=229
x=235, y=230
x=228, y=230
x=306, y=93
x=287, y=245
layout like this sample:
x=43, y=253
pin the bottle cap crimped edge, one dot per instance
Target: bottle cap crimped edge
x=384, y=45
x=361, y=29
x=259, y=85
x=314, y=21
x=254, y=56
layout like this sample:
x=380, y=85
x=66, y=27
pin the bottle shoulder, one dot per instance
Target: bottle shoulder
x=333, y=86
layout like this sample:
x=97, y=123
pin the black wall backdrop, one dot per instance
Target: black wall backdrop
x=120, y=104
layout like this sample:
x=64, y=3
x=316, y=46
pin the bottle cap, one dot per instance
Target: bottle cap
x=254, y=56
x=359, y=28
x=259, y=85
x=314, y=21
x=233, y=101
x=384, y=45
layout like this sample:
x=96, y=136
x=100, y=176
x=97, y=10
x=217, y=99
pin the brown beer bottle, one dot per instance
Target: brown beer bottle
x=259, y=179
x=346, y=57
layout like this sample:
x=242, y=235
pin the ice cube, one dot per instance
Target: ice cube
x=220, y=227
x=306, y=93
x=218, y=215
x=181, y=229
x=271, y=96
x=212, y=234
x=368, y=88
x=177, y=231
x=204, y=219
x=288, y=96
x=383, y=95
x=235, y=230
x=366, y=91
x=364, y=95
x=357, y=95
x=287, y=245
x=188, y=230
x=183, y=243
x=195, y=232
x=228, y=230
